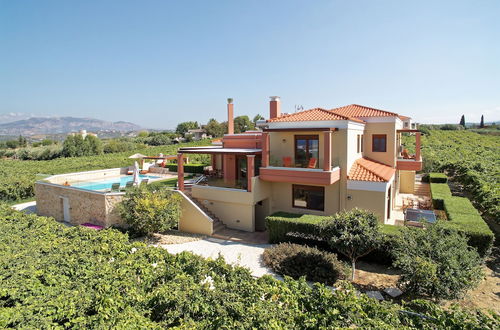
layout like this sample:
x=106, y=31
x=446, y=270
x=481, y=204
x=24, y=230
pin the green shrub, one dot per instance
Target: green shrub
x=149, y=211
x=439, y=191
x=436, y=262
x=438, y=178
x=188, y=168
x=54, y=276
x=284, y=227
x=296, y=260
x=463, y=216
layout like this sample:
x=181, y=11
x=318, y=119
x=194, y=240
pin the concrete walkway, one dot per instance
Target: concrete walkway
x=236, y=253
x=29, y=207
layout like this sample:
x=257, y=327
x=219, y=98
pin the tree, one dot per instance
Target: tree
x=93, y=145
x=23, y=142
x=243, y=124
x=462, y=121
x=148, y=211
x=214, y=128
x=183, y=127
x=436, y=262
x=481, y=125
x=257, y=118
x=353, y=233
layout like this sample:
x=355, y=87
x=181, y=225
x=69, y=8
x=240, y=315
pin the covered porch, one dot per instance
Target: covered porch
x=407, y=161
x=230, y=167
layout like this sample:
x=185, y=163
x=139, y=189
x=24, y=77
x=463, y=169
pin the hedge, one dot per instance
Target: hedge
x=284, y=227
x=439, y=191
x=304, y=229
x=188, y=168
x=438, y=178
x=463, y=216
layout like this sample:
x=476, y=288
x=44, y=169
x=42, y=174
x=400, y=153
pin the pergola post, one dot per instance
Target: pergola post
x=250, y=171
x=327, y=158
x=265, y=149
x=417, y=146
x=180, y=172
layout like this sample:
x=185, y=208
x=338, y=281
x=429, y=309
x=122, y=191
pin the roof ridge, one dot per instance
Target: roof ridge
x=365, y=107
x=326, y=111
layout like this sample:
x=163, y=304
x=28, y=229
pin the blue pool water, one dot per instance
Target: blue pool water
x=106, y=184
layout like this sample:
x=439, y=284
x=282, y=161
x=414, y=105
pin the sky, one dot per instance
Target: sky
x=158, y=63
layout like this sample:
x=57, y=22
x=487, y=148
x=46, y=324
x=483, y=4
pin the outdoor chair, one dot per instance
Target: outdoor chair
x=144, y=182
x=115, y=186
x=312, y=163
x=287, y=161
x=129, y=184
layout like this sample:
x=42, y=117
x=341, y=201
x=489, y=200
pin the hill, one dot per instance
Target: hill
x=57, y=125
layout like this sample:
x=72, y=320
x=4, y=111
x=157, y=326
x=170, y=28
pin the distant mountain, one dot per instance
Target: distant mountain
x=58, y=125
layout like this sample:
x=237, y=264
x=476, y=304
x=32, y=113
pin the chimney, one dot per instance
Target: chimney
x=274, y=107
x=230, y=116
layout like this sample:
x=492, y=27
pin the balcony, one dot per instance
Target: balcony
x=405, y=160
x=300, y=175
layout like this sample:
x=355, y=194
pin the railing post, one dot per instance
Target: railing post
x=250, y=171
x=327, y=157
x=180, y=172
x=417, y=146
x=265, y=149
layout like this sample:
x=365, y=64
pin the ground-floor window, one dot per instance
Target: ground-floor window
x=309, y=197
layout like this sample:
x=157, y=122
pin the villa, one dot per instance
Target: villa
x=316, y=161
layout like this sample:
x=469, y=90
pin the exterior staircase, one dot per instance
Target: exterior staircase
x=422, y=189
x=217, y=224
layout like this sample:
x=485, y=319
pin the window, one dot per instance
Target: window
x=309, y=197
x=359, y=144
x=306, y=147
x=379, y=142
x=362, y=141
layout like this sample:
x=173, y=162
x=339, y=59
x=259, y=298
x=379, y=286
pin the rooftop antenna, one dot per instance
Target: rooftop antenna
x=298, y=108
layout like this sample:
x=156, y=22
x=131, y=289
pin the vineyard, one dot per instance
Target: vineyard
x=471, y=159
x=55, y=276
x=17, y=178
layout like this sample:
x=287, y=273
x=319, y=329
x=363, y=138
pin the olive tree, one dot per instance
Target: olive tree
x=148, y=211
x=352, y=233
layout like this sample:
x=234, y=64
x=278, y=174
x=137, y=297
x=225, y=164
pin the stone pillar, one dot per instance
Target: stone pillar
x=180, y=172
x=417, y=146
x=250, y=171
x=265, y=149
x=327, y=151
x=213, y=161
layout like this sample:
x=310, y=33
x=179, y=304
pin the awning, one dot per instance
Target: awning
x=137, y=156
x=212, y=150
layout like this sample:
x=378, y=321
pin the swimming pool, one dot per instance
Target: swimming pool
x=106, y=184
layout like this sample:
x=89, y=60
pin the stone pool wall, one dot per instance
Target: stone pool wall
x=87, y=176
x=94, y=207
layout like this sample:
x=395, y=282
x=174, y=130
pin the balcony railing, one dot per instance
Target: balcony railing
x=214, y=181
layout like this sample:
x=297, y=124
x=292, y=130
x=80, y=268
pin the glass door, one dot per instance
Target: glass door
x=306, y=149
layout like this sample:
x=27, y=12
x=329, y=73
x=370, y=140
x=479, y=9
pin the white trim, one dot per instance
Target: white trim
x=369, y=185
x=221, y=188
x=314, y=124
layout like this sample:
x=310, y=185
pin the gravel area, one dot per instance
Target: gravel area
x=171, y=237
x=237, y=253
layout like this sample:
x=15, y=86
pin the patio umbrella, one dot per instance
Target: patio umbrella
x=137, y=156
x=137, y=179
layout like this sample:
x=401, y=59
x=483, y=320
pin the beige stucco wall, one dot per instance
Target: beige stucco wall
x=282, y=199
x=193, y=219
x=374, y=201
x=388, y=157
x=407, y=182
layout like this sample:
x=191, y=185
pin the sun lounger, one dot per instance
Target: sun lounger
x=115, y=187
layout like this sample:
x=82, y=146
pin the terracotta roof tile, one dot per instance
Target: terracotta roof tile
x=365, y=169
x=356, y=111
x=316, y=114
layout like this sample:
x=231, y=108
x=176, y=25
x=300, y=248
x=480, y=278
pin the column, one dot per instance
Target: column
x=417, y=146
x=265, y=149
x=327, y=157
x=180, y=172
x=250, y=171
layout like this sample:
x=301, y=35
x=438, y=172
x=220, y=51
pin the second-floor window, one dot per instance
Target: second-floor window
x=379, y=142
x=306, y=150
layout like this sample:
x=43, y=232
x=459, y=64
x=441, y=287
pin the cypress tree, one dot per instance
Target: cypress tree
x=462, y=121
x=481, y=125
